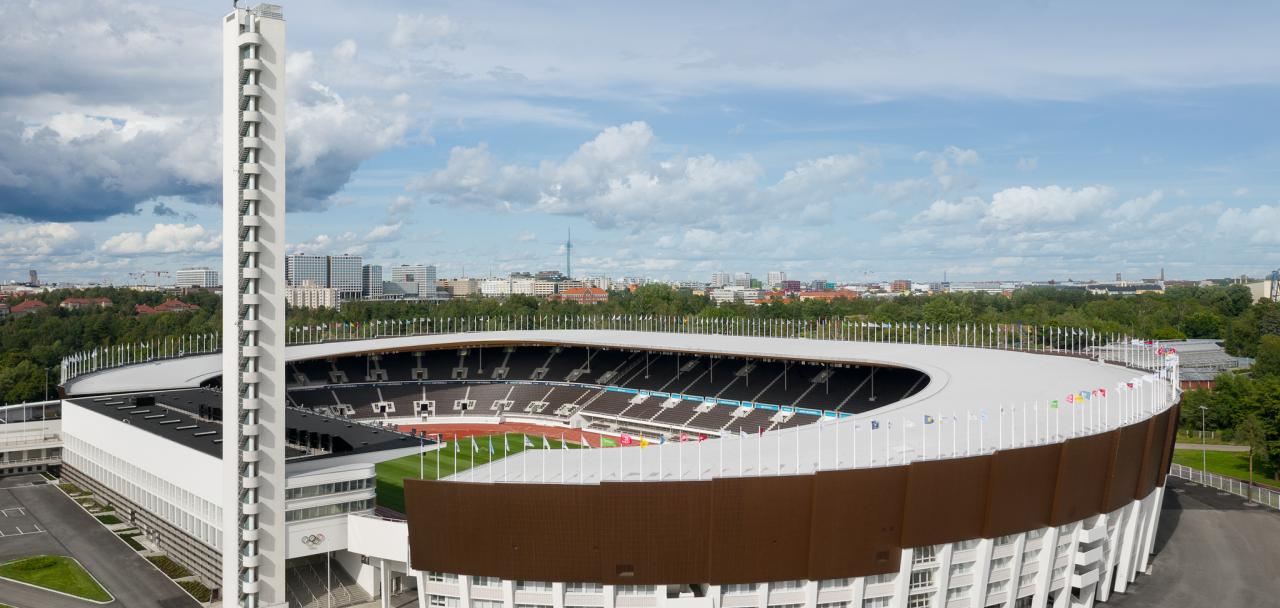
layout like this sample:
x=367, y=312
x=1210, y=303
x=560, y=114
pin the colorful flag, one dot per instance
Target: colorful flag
x=475, y=447
x=1071, y=398
x=1054, y=404
x=684, y=437
x=626, y=439
x=586, y=444
x=644, y=441
x=1102, y=391
x=875, y=424
x=608, y=442
x=528, y=443
x=702, y=437
x=546, y=445
x=662, y=439
x=928, y=419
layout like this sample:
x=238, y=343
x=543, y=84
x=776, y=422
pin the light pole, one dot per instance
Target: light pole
x=1204, y=451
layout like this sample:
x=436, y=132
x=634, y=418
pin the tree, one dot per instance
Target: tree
x=1254, y=435
x=1268, y=359
x=1202, y=324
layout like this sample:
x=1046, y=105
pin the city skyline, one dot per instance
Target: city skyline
x=834, y=150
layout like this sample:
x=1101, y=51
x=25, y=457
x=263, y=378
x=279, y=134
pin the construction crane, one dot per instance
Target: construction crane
x=142, y=275
x=1274, y=290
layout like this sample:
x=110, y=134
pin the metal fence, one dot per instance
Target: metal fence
x=1263, y=496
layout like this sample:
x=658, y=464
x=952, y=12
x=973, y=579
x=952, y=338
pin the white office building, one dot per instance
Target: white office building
x=423, y=278
x=775, y=277
x=346, y=275
x=720, y=279
x=309, y=295
x=197, y=277
x=307, y=268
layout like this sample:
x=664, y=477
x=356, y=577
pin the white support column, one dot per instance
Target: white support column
x=557, y=596
x=384, y=584
x=981, y=572
x=1156, y=499
x=1105, y=581
x=762, y=595
x=422, y=588
x=1128, y=547
x=464, y=590
x=859, y=591
x=811, y=594
x=611, y=595
x=943, y=580
x=1015, y=569
x=508, y=594
x=902, y=584
x=1044, y=574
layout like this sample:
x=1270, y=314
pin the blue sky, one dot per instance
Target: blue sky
x=841, y=140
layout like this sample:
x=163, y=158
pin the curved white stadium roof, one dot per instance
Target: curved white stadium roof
x=958, y=411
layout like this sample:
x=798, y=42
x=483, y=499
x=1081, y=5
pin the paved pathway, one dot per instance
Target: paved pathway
x=1211, y=550
x=1211, y=447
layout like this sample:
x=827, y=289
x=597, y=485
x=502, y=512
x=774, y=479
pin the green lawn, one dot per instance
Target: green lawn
x=441, y=463
x=57, y=573
x=169, y=567
x=109, y=520
x=1231, y=464
x=198, y=591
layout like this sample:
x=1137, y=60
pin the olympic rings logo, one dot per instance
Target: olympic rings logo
x=312, y=540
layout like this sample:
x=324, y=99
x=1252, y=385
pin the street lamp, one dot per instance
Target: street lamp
x=1204, y=450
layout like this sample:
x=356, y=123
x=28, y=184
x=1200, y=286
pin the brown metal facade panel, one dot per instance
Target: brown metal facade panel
x=1020, y=489
x=857, y=517
x=946, y=500
x=760, y=528
x=832, y=524
x=1169, y=423
x=1126, y=466
x=1082, y=474
x=653, y=533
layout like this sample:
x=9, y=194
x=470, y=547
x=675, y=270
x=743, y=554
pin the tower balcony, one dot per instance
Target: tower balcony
x=247, y=38
x=251, y=90
x=251, y=169
x=251, y=194
x=251, y=142
x=251, y=64
x=251, y=116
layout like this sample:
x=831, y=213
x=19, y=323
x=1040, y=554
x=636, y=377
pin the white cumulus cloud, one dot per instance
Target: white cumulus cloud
x=164, y=238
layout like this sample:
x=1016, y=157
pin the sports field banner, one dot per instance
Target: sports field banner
x=608, y=442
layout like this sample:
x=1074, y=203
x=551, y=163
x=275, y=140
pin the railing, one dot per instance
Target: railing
x=1263, y=496
x=1081, y=342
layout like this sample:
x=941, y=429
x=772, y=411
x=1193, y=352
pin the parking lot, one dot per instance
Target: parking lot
x=36, y=518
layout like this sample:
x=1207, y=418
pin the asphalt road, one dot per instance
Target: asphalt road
x=1211, y=551
x=67, y=530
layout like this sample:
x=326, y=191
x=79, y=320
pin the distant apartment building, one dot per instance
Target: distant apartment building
x=900, y=286
x=200, y=277
x=416, y=278
x=742, y=279
x=310, y=295
x=720, y=279
x=775, y=278
x=344, y=273
x=790, y=286
x=460, y=288
x=371, y=281
x=735, y=293
x=827, y=296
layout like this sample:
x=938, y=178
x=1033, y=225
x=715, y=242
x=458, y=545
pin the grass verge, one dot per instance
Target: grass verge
x=132, y=542
x=169, y=567
x=453, y=457
x=198, y=591
x=57, y=573
x=109, y=520
x=1231, y=464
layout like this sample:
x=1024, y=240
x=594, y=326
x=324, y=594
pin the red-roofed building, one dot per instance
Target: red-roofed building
x=27, y=307
x=78, y=303
x=170, y=305
x=584, y=295
x=827, y=295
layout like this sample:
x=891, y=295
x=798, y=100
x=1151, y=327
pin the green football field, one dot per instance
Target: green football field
x=450, y=459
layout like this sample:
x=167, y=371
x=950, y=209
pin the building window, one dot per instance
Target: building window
x=355, y=506
x=1006, y=540
x=485, y=604
x=876, y=602
x=541, y=586
x=637, y=589
x=532, y=606
x=958, y=593
x=739, y=588
x=442, y=601
x=442, y=577
x=786, y=585
x=583, y=587
x=966, y=545
x=924, y=555
x=486, y=581
x=785, y=605
x=324, y=489
x=882, y=578
x=961, y=568
x=920, y=600
x=921, y=579
x=997, y=587
x=835, y=583
x=1001, y=562
x=834, y=605
x=1027, y=579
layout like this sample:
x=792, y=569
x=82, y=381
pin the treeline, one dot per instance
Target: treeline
x=1243, y=408
x=32, y=344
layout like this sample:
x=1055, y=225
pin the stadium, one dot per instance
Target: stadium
x=834, y=463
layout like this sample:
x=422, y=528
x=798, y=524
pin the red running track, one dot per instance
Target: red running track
x=467, y=430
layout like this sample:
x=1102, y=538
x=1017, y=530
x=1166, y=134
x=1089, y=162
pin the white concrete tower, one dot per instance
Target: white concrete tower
x=253, y=342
